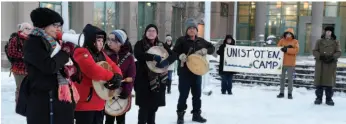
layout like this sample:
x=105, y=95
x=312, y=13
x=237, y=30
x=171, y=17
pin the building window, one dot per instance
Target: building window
x=305, y=8
x=106, y=15
x=201, y=6
x=330, y=9
x=224, y=9
x=246, y=21
x=56, y=6
x=146, y=15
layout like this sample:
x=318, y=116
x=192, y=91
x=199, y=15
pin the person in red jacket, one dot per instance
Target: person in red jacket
x=89, y=109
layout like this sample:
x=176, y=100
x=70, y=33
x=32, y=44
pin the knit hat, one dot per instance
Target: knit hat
x=168, y=38
x=290, y=30
x=120, y=35
x=42, y=17
x=149, y=26
x=190, y=23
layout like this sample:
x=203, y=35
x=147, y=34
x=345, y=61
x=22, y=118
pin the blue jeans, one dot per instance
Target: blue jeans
x=226, y=82
x=170, y=72
x=187, y=82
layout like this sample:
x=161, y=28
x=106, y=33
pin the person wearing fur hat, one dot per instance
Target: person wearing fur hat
x=120, y=53
x=169, y=43
x=150, y=86
x=41, y=85
x=89, y=109
x=15, y=51
x=326, y=52
x=184, y=46
x=290, y=46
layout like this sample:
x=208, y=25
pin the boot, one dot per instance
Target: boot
x=319, y=94
x=230, y=92
x=329, y=95
x=281, y=95
x=197, y=117
x=180, y=117
x=290, y=96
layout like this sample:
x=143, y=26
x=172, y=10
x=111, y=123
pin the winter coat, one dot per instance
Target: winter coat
x=86, y=57
x=144, y=96
x=291, y=54
x=42, y=75
x=221, y=52
x=128, y=67
x=184, y=45
x=325, y=74
x=16, y=52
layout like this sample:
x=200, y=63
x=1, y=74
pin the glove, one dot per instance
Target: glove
x=157, y=58
x=202, y=51
x=162, y=64
x=289, y=46
x=115, y=82
x=123, y=94
x=183, y=57
x=329, y=59
x=284, y=49
x=322, y=57
x=68, y=47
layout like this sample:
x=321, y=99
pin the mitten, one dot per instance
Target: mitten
x=162, y=64
x=68, y=47
x=115, y=82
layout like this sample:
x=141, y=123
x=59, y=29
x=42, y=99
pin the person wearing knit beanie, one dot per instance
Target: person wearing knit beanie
x=191, y=23
x=53, y=95
x=327, y=51
x=185, y=46
x=120, y=35
x=150, y=86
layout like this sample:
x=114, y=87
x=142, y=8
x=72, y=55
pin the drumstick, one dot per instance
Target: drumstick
x=188, y=53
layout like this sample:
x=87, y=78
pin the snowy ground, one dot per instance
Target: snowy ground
x=250, y=104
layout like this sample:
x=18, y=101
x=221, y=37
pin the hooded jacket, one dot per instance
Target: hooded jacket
x=291, y=54
x=221, y=52
x=86, y=57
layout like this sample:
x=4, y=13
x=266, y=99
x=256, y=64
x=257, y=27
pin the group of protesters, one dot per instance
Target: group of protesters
x=57, y=75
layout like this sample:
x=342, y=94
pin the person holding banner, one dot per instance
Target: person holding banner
x=186, y=45
x=290, y=47
x=326, y=52
x=226, y=77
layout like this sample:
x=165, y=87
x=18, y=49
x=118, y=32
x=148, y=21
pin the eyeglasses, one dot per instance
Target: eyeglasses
x=29, y=29
x=56, y=25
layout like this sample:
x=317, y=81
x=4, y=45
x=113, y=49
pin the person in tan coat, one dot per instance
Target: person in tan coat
x=290, y=47
x=326, y=52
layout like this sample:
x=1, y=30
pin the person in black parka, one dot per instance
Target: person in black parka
x=226, y=77
x=184, y=46
x=43, y=104
x=150, y=86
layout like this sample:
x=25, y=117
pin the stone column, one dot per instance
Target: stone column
x=316, y=22
x=128, y=14
x=215, y=20
x=163, y=18
x=82, y=14
x=261, y=16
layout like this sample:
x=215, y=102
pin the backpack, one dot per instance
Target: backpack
x=13, y=35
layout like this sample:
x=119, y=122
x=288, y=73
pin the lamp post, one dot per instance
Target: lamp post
x=207, y=15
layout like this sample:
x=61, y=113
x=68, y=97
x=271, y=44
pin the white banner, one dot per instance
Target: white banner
x=247, y=59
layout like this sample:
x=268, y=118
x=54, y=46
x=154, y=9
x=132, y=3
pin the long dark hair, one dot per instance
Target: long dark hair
x=229, y=37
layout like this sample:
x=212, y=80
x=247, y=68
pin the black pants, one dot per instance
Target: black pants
x=89, y=117
x=327, y=89
x=146, y=115
x=187, y=82
x=110, y=119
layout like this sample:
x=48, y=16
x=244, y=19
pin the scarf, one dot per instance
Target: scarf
x=155, y=78
x=66, y=86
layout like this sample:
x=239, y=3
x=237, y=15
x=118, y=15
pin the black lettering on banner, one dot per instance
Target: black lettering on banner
x=257, y=54
x=248, y=53
x=262, y=53
x=244, y=53
x=270, y=54
x=276, y=54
